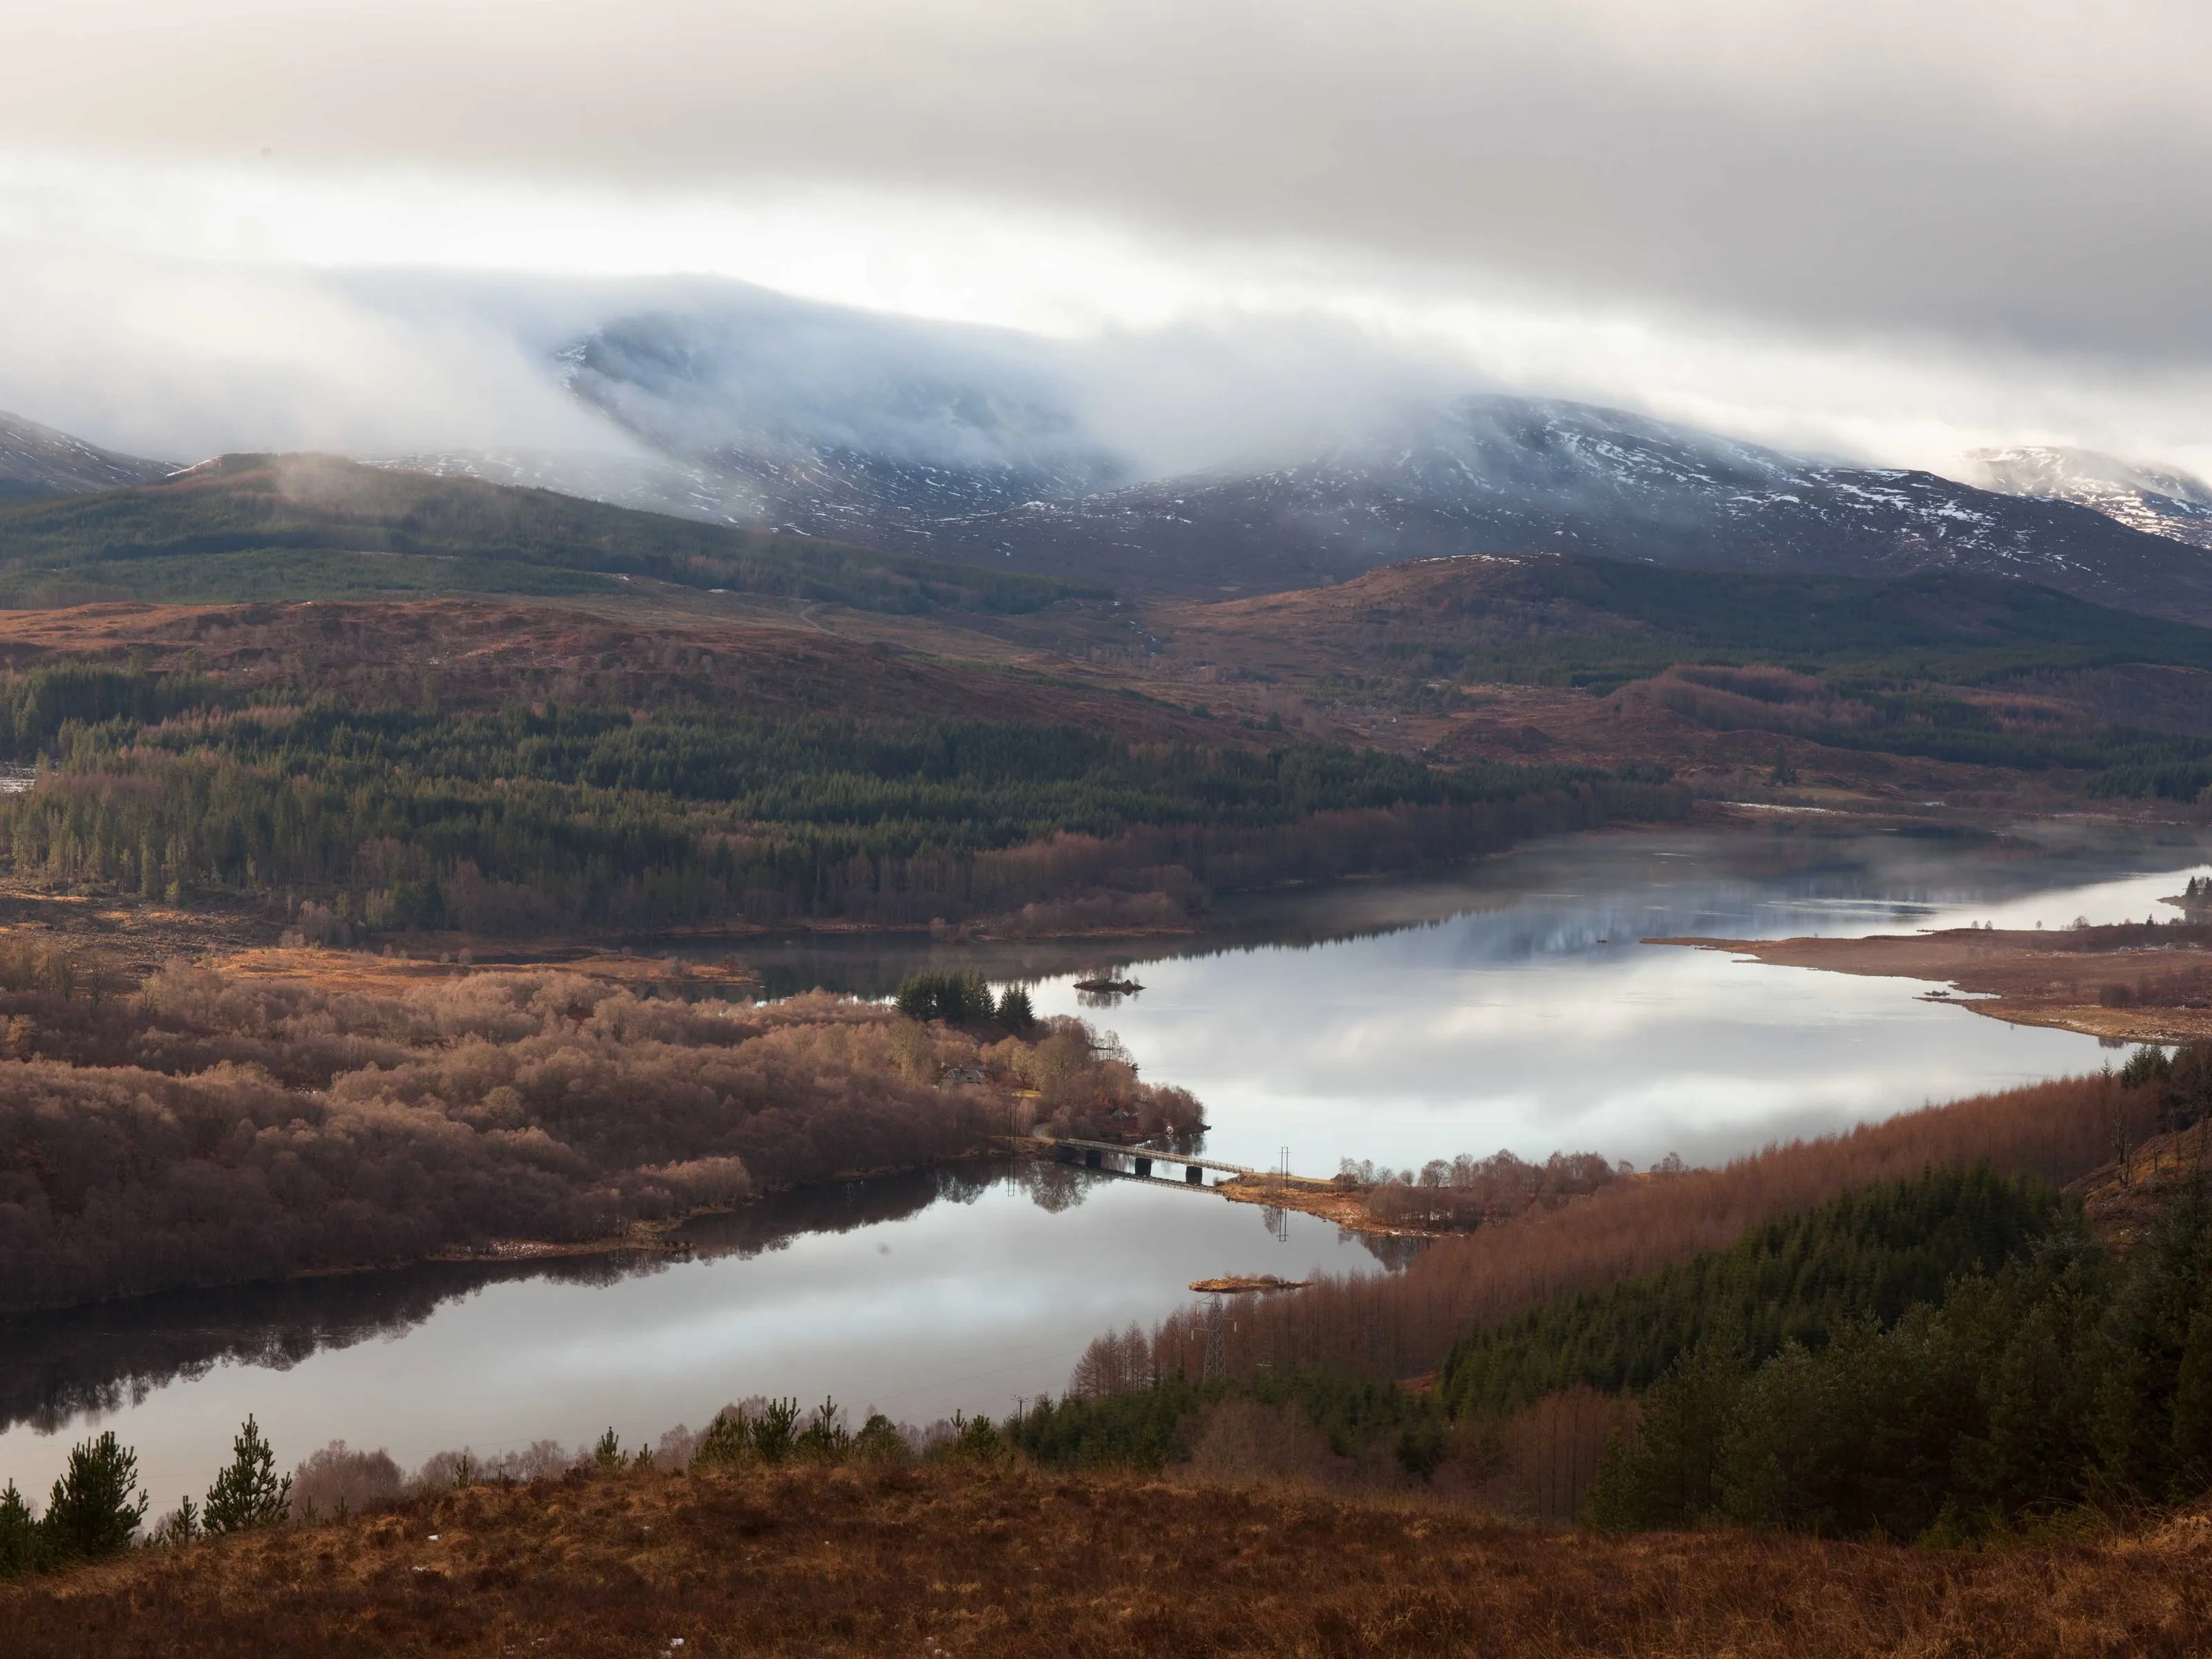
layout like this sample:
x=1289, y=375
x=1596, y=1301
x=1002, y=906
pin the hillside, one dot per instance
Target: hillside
x=975, y=1558
x=477, y=654
x=1577, y=619
x=1603, y=661
x=38, y=462
x=313, y=526
x=440, y=765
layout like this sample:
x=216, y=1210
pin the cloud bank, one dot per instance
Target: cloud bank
x=1894, y=229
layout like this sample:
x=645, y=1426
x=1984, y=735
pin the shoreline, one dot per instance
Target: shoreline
x=1347, y=1207
x=2137, y=983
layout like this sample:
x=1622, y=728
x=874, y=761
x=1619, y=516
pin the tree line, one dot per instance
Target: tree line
x=1870, y=1254
x=97, y=1507
x=1467, y=1191
x=525, y=820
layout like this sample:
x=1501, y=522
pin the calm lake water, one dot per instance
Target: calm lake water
x=1511, y=1005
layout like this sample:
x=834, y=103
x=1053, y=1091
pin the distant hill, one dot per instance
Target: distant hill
x=309, y=527
x=2160, y=501
x=37, y=462
x=1573, y=619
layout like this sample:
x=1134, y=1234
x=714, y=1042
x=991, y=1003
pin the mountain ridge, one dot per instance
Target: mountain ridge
x=983, y=459
x=1515, y=475
x=2159, y=501
x=38, y=462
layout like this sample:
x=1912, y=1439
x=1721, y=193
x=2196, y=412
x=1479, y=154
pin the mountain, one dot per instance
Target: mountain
x=311, y=526
x=964, y=445
x=1518, y=475
x=36, y=461
x=2160, y=500
x=832, y=422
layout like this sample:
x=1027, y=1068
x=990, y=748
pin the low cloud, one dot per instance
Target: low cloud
x=179, y=360
x=182, y=359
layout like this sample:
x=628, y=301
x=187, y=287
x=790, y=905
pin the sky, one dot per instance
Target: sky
x=1884, y=229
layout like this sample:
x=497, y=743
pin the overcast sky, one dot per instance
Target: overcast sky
x=1888, y=228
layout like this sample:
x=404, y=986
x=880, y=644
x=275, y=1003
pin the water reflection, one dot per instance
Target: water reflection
x=1509, y=1006
x=99, y=1359
x=1812, y=880
x=917, y=1294
x=1530, y=1017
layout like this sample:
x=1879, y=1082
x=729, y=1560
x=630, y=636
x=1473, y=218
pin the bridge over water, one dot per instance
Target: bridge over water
x=1141, y=1160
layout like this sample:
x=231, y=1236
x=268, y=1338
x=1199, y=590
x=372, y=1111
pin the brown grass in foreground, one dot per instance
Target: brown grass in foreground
x=955, y=1560
x=2123, y=1200
x=1396, y=1325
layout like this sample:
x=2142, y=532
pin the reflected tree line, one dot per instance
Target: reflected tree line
x=59, y=1367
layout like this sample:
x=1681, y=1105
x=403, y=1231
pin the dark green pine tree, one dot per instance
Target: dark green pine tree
x=249, y=1493
x=2192, y=1409
x=1666, y=1473
x=92, y=1513
x=1015, y=1012
x=19, y=1534
x=2150, y=1327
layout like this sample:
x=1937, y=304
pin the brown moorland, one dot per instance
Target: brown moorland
x=953, y=1559
x=1331, y=660
x=1469, y=657
x=2123, y=1200
x=479, y=653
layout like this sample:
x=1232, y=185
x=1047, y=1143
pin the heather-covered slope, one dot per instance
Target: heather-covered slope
x=970, y=1558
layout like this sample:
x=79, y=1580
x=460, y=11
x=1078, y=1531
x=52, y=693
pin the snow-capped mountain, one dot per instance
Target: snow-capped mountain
x=969, y=444
x=2162, y=500
x=1518, y=475
x=964, y=444
x=37, y=461
x=837, y=423
x=740, y=406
